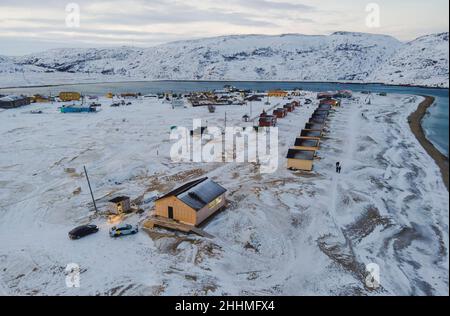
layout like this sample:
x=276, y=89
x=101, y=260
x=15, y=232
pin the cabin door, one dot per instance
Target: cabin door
x=170, y=211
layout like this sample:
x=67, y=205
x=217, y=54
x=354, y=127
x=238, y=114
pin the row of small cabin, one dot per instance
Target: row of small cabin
x=266, y=120
x=301, y=156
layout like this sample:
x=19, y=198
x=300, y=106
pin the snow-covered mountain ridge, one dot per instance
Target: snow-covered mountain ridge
x=342, y=56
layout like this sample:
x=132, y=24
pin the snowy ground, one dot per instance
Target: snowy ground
x=283, y=233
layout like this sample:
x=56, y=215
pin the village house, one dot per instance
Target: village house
x=280, y=112
x=300, y=159
x=69, y=96
x=302, y=143
x=268, y=121
x=13, y=101
x=37, y=98
x=289, y=107
x=331, y=102
x=192, y=203
x=277, y=94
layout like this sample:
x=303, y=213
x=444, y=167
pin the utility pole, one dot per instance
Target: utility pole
x=225, y=119
x=90, y=189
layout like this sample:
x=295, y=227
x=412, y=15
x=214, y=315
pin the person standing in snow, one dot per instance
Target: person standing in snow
x=338, y=164
x=339, y=169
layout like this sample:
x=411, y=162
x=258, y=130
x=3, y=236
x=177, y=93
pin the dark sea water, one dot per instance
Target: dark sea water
x=435, y=124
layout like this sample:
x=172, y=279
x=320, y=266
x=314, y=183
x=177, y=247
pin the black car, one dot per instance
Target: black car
x=82, y=231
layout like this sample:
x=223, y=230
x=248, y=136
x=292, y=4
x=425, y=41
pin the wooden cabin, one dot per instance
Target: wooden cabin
x=324, y=107
x=268, y=121
x=331, y=102
x=192, y=203
x=280, y=113
x=325, y=95
x=317, y=119
x=129, y=95
x=315, y=126
x=303, y=143
x=289, y=107
x=284, y=111
x=300, y=159
x=37, y=98
x=277, y=93
x=311, y=134
x=321, y=112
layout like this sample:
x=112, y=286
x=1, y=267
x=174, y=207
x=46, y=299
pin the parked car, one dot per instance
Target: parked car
x=308, y=101
x=123, y=230
x=82, y=231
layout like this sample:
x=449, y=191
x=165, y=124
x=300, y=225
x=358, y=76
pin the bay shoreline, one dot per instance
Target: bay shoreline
x=415, y=123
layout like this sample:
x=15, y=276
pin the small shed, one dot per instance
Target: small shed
x=193, y=202
x=289, y=107
x=311, y=134
x=324, y=107
x=268, y=121
x=120, y=205
x=300, y=159
x=331, y=102
x=321, y=112
x=280, y=113
x=246, y=118
x=317, y=119
x=303, y=143
x=315, y=126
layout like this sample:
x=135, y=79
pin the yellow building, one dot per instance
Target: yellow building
x=109, y=95
x=277, y=93
x=69, y=96
x=300, y=159
x=37, y=98
x=192, y=203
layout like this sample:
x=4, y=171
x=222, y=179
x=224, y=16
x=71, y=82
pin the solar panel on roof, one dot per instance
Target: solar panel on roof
x=199, y=196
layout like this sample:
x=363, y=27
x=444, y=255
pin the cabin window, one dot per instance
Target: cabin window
x=216, y=202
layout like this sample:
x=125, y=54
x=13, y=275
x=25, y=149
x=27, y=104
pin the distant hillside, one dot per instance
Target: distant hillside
x=342, y=56
x=423, y=61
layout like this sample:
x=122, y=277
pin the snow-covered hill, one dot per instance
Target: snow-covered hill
x=423, y=61
x=342, y=56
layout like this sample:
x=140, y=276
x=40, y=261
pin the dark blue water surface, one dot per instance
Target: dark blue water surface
x=435, y=123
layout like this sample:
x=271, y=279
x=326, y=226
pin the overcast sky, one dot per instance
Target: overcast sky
x=30, y=26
